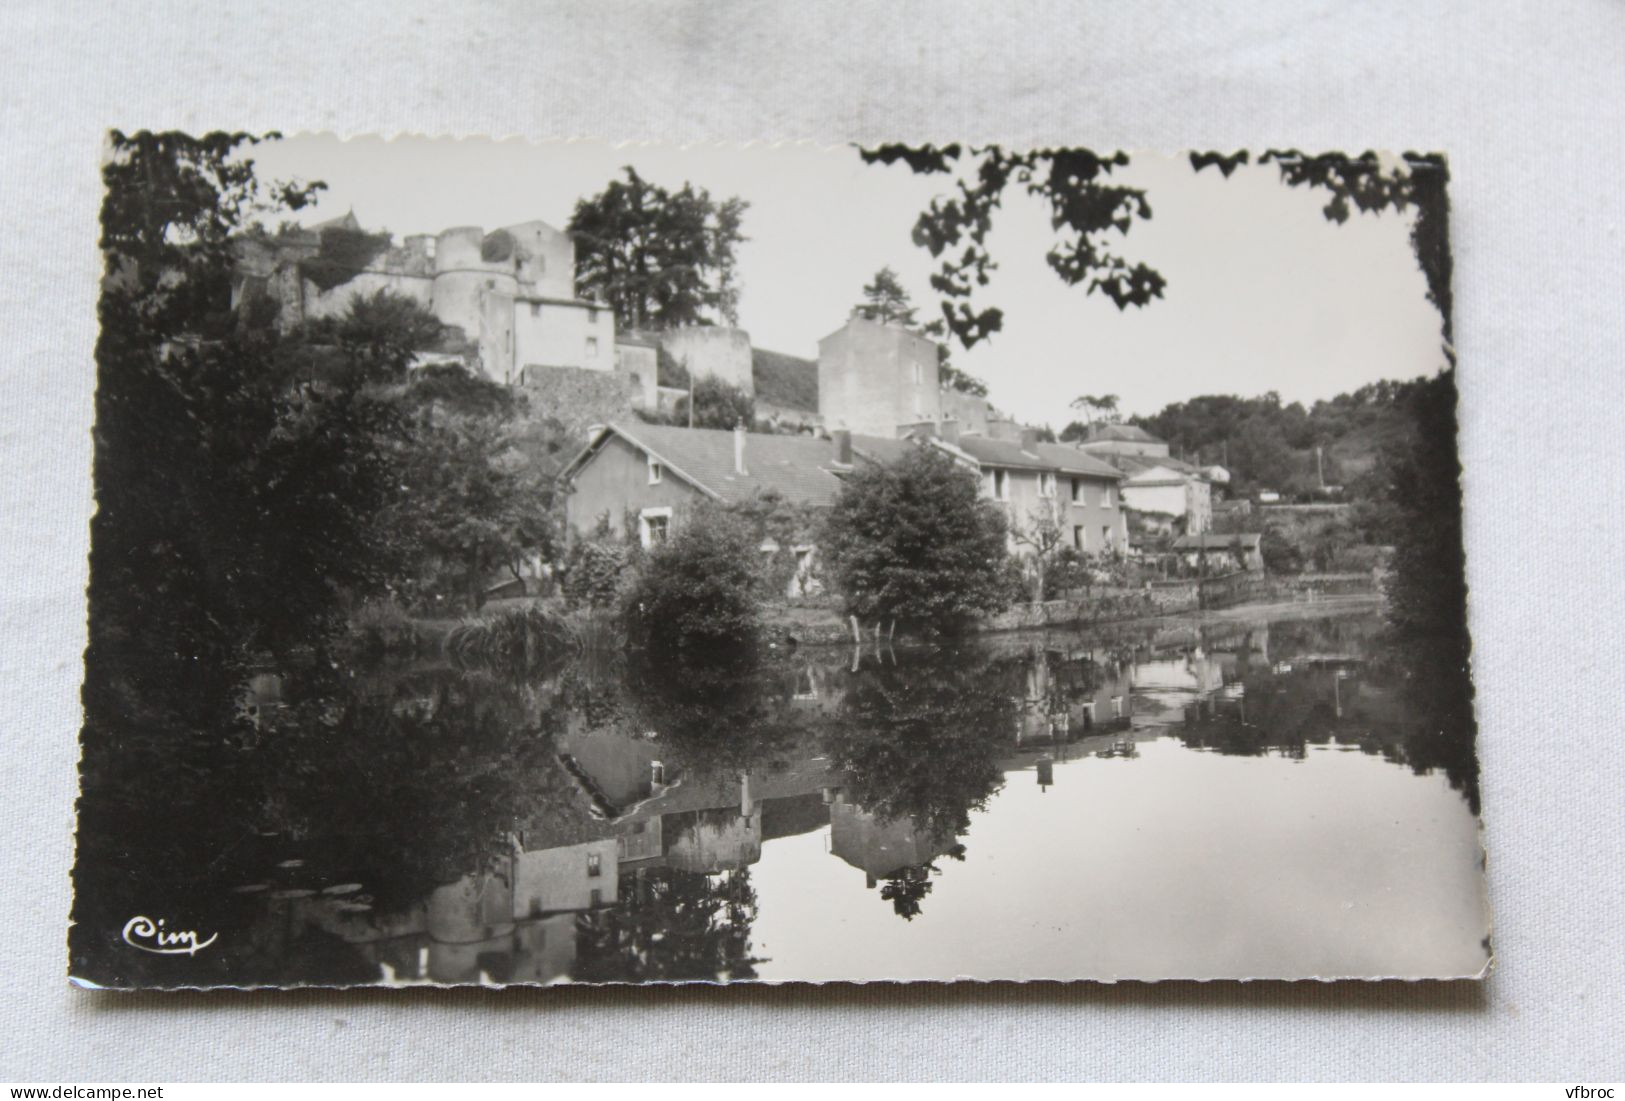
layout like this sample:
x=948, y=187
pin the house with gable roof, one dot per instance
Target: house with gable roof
x=640, y=478
x=1032, y=481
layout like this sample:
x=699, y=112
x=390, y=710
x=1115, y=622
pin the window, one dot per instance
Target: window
x=595, y=865
x=1046, y=484
x=917, y=375
x=536, y=309
x=592, y=315
x=1117, y=707
x=654, y=525
x=1077, y=490
x=592, y=347
x=656, y=471
x=1080, y=540
x=595, y=899
x=1106, y=537
x=1106, y=497
x=1001, y=485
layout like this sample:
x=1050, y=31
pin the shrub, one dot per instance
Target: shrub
x=594, y=570
x=699, y=587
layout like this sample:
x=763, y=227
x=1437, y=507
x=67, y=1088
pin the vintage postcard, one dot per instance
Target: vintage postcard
x=526, y=563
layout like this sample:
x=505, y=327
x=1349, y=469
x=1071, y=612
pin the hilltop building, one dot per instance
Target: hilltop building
x=510, y=292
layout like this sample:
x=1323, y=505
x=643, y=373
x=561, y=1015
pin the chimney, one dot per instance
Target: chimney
x=1029, y=440
x=842, y=439
x=739, y=448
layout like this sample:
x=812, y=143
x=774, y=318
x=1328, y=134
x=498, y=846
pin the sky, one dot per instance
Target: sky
x=1263, y=293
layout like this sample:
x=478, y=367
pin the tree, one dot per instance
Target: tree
x=1101, y=408
x=955, y=379
x=1043, y=535
x=659, y=258
x=913, y=540
x=1084, y=209
x=885, y=300
x=698, y=588
x=474, y=503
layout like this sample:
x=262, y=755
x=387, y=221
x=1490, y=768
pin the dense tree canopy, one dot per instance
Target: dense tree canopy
x=912, y=540
x=659, y=258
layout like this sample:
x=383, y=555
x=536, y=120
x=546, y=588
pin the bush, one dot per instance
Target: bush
x=913, y=540
x=594, y=570
x=699, y=587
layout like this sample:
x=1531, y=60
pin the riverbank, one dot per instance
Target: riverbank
x=1157, y=608
x=822, y=626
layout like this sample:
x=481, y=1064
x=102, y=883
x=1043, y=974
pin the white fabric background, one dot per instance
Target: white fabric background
x=1528, y=99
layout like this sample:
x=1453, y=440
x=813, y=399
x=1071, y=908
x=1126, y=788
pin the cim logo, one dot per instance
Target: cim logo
x=151, y=936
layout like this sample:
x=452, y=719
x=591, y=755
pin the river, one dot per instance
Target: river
x=1243, y=798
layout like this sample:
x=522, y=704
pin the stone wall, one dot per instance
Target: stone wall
x=578, y=397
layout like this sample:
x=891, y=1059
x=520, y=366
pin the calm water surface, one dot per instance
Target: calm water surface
x=1237, y=799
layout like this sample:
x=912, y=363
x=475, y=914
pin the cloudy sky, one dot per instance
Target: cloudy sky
x=1263, y=293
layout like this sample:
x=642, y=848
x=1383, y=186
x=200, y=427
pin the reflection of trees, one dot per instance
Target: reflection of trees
x=1428, y=590
x=416, y=779
x=671, y=925
x=907, y=887
x=398, y=780
x=918, y=740
x=722, y=711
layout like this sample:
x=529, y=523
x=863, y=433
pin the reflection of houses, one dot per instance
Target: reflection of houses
x=1072, y=696
x=879, y=847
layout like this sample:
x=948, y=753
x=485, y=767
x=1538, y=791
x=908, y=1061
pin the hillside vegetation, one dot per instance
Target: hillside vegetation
x=1267, y=445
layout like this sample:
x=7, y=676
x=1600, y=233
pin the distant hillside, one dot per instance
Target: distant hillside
x=1268, y=445
x=789, y=381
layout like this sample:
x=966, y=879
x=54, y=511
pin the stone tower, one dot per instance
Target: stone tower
x=874, y=376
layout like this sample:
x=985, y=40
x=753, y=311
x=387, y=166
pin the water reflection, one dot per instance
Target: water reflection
x=614, y=821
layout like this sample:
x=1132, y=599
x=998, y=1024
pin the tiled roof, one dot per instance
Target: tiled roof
x=1134, y=465
x=881, y=449
x=991, y=452
x=800, y=468
x=1069, y=460
x=1214, y=540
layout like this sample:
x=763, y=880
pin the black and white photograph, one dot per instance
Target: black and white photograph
x=530, y=563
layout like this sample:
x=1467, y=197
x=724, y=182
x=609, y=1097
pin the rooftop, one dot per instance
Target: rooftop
x=991, y=452
x=801, y=469
x=1069, y=460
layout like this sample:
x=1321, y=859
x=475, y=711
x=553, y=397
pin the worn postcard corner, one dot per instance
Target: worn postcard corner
x=540, y=563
